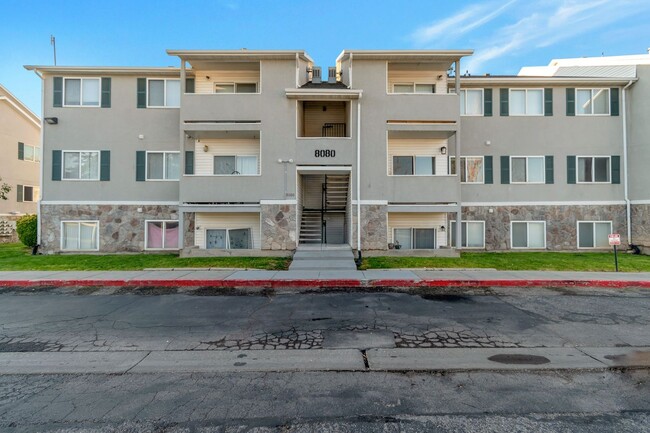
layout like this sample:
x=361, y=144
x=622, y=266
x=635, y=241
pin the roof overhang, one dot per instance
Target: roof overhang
x=108, y=70
x=406, y=55
x=323, y=94
x=16, y=104
x=557, y=81
x=239, y=55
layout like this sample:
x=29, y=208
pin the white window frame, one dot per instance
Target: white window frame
x=593, y=170
x=257, y=157
x=79, y=234
x=413, y=84
x=413, y=229
x=392, y=170
x=452, y=165
x=164, y=92
x=594, y=233
x=146, y=234
x=235, y=84
x=527, y=235
x=592, y=89
x=81, y=92
x=205, y=237
x=164, y=152
x=35, y=189
x=463, y=94
x=451, y=231
x=99, y=165
x=526, y=90
x=527, y=157
x=36, y=152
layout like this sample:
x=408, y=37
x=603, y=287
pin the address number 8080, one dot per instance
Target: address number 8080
x=324, y=153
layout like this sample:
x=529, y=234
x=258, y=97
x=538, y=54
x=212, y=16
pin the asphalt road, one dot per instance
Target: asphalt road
x=552, y=401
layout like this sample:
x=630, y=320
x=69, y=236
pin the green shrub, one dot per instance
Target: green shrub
x=27, y=229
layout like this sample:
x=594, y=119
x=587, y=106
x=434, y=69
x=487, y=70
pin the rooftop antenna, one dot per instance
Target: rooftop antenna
x=53, y=43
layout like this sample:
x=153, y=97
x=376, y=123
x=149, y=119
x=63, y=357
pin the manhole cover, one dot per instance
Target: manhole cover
x=519, y=359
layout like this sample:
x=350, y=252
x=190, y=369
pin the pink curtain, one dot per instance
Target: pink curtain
x=171, y=235
x=154, y=235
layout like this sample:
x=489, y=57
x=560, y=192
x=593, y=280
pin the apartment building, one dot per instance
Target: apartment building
x=20, y=144
x=261, y=151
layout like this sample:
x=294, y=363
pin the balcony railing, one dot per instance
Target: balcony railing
x=334, y=130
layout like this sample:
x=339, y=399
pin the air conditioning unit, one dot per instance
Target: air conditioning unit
x=316, y=75
x=331, y=77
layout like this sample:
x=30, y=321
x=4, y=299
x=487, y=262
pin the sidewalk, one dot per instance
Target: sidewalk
x=312, y=279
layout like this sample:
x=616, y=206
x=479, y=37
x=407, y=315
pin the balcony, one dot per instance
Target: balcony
x=423, y=189
x=222, y=189
x=210, y=108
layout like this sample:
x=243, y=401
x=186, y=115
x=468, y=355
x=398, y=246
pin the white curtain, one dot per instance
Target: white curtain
x=90, y=91
x=517, y=102
x=474, y=102
x=70, y=236
x=88, y=236
x=73, y=92
x=156, y=93
x=535, y=102
x=247, y=164
x=403, y=236
x=172, y=167
x=475, y=234
x=173, y=89
x=602, y=232
x=536, y=169
x=536, y=235
x=155, y=165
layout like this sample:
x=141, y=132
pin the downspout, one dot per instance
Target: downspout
x=628, y=208
x=359, y=178
x=40, y=180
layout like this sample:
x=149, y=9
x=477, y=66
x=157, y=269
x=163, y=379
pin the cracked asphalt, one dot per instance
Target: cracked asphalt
x=46, y=321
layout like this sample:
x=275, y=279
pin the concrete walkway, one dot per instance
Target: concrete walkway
x=325, y=278
x=325, y=258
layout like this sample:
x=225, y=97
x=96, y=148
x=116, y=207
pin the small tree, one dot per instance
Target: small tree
x=4, y=190
x=27, y=230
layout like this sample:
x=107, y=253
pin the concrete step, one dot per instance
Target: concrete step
x=323, y=265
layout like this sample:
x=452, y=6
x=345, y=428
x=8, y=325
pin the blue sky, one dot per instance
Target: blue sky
x=505, y=34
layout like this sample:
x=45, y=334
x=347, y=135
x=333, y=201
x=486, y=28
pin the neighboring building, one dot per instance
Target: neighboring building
x=20, y=146
x=261, y=150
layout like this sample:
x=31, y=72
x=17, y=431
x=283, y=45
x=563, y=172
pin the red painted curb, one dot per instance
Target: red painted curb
x=317, y=283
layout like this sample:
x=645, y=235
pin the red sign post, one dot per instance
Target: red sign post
x=615, y=240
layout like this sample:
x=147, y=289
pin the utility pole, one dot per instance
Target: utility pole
x=53, y=43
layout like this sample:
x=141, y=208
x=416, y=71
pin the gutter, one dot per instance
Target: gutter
x=628, y=209
x=40, y=180
x=359, y=180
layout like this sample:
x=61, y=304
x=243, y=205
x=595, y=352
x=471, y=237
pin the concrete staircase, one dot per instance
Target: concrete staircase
x=333, y=192
x=323, y=258
x=311, y=226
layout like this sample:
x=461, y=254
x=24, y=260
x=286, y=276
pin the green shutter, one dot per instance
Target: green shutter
x=614, y=109
x=142, y=93
x=106, y=92
x=570, y=169
x=21, y=151
x=548, y=164
x=105, y=165
x=616, y=169
x=487, y=164
x=505, y=95
x=19, y=193
x=189, y=162
x=505, y=169
x=189, y=85
x=548, y=102
x=487, y=102
x=570, y=102
x=140, y=165
x=56, y=165
x=57, y=100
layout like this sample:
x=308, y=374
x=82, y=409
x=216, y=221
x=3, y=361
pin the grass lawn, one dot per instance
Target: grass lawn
x=16, y=257
x=518, y=261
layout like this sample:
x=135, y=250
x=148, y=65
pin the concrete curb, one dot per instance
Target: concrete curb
x=329, y=283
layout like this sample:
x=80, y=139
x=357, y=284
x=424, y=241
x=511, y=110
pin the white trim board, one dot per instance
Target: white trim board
x=543, y=203
x=639, y=201
x=294, y=201
x=132, y=203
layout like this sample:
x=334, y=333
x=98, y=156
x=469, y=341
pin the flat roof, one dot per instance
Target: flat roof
x=405, y=55
x=552, y=80
x=113, y=70
x=239, y=55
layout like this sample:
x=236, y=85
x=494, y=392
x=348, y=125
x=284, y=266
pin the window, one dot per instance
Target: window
x=28, y=193
x=413, y=238
x=471, y=168
x=471, y=102
x=592, y=101
x=163, y=93
x=163, y=166
x=414, y=165
x=527, y=169
x=594, y=234
x=228, y=239
x=528, y=234
x=526, y=102
x=235, y=164
x=235, y=87
x=472, y=234
x=78, y=92
x=161, y=235
x=414, y=88
x=82, y=165
x=31, y=153
x=79, y=235
x=593, y=169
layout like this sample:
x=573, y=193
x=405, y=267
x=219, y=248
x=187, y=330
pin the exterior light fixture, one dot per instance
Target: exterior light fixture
x=442, y=229
x=51, y=120
x=205, y=148
x=443, y=150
